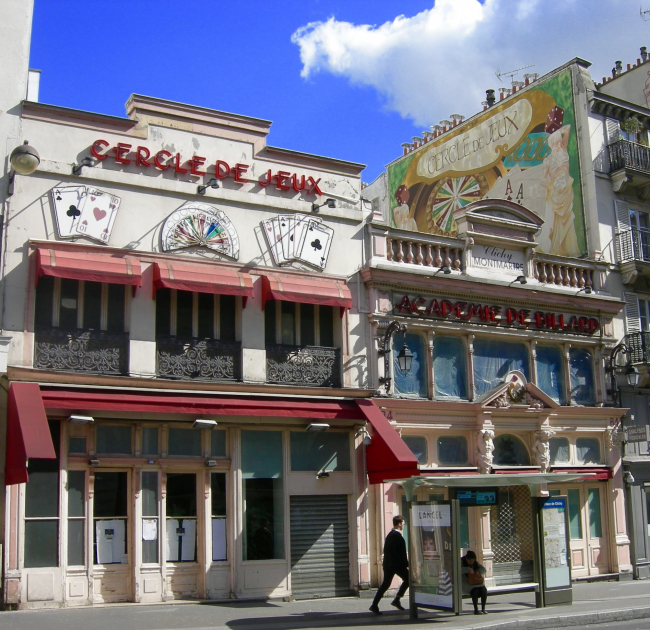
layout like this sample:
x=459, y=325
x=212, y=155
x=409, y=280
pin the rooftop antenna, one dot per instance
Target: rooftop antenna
x=512, y=73
x=644, y=13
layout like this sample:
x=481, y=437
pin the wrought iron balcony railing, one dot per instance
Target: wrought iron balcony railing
x=626, y=154
x=303, y=365
x=639, y=345
x=633, y=244
x=89, y=351
x=189, y=359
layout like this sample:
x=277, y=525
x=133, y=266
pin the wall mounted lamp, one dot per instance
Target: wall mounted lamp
x=212, y=183
x=317, y=427
x=521, y=280
x=94, y=462
x=87, y=161
x=367, y=440
x=24, y=160
x=404, y=358
x=81, y=419
x=631, y=373
x=586, y=291
x=330, y=203
x=204, y=424
x=323, y=474
x=210, y=463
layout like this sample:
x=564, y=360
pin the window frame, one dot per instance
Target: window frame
x=426, y=447
x=131, y=426
x=277, y=306
x=445, y=464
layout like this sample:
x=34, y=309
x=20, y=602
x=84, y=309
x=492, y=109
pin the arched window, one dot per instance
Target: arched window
x=449, y=368
x=581, y=371
x=509, y=450
x=550, y=372
x=493, y=359
x=413, y=383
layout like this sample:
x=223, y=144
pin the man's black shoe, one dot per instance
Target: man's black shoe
x=375, y=609
x=397, y=604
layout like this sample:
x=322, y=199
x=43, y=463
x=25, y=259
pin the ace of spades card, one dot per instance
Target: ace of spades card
x=98, y=215
x=68, y=202
x=316, y=246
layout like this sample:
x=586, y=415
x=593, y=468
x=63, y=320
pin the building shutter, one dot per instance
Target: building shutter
x=632, y=316
x=612, y=130
x=624, y=238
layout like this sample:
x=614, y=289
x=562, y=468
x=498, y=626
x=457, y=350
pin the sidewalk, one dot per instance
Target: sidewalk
x=597, y=602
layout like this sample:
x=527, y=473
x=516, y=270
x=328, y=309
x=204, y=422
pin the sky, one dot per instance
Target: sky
x=349, y=79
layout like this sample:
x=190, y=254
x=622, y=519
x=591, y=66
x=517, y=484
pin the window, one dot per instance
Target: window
x=218, y=443
x=76, y=445
x=644, y=314
x=320, y=451
x=42, y=508
x=218, y=496
x=493, y=360
x=113, y=440
x=418, y=446
x=150, y=519
x=593, y=502
x=72, y=304
x=581, y=371
x=575, y=524
x=449, y=367
x=452, y=450
x=588, y=450
x=413, y=383
x=110, y=512
x=510, y=451
x=294, y=324
x=76, y=517
x=150, y=441
x=261, y=453
x=550, y=372
x=559, y=447
x=181, y=517
x=196, y=315
x=185, y=442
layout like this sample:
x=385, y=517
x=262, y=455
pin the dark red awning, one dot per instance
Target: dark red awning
x=91, y=267
x=601, y=473
x=388, y=457
x=28, y=434
x=306, y=290
x=202, y=279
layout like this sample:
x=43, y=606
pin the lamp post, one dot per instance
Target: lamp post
x=405, y=356
x=631, y=373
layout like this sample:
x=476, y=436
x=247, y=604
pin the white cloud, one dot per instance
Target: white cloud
x=443, y=59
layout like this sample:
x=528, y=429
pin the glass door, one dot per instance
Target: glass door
x=596, y=538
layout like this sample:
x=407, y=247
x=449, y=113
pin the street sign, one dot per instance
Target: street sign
x=637, y=434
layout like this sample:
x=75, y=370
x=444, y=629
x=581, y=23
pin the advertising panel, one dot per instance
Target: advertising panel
x=523, y=150
x=555, y=561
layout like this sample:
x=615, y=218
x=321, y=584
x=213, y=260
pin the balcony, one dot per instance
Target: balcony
x=198, y=359
x=87, y=351
x=629, y=167
x=638, y=344
x=310, y=366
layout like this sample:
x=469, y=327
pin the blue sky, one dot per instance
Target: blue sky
x=356, y=81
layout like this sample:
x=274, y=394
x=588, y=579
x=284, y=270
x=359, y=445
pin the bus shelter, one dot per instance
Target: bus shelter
x=434, y=537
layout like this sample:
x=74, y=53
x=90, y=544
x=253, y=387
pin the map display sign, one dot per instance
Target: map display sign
x=555, y=560
x=431, y=556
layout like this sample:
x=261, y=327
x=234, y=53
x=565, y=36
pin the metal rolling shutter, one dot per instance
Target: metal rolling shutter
x=320, y=554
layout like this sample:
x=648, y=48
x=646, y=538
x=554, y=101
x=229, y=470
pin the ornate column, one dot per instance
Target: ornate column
x=542, y=450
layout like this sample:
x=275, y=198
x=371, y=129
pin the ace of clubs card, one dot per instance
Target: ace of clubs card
x=98, y=215
x=316, y=248
x=68, y=203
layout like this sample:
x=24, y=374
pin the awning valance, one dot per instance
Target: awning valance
x=306, y=290
x=90, y=267
x=28, y=434
x=202, y=279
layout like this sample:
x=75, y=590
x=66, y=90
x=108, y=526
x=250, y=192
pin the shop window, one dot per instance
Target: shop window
x=181, y=517
x=588, y=450
x=218, y=500
x=150, y=441
x=418, y=446
x=452, y=450
x=113, y=440
x=510, y=451
x=549, y=362
x=320, y=451
x=294, y=324
x=593, y=502
x=575, y=523
x=218, y=443
x=581, y=371
x=110, y=512
x=449, y=368
x=76, y=445
x=263, y=495
x=559, y=448
x=413, y=382
x=150, y=517
x=494, y=359
x=195, y=315
x=76, y=517
x=42, y=509
x=184, y=442
x=73, y=304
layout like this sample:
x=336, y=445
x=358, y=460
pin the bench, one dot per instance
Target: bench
x=505, y=589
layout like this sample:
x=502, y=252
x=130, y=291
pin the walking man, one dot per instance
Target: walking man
x=395, y=563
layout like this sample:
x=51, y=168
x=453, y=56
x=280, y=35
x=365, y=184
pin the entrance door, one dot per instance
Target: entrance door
x=596, y=540
x=320, y=552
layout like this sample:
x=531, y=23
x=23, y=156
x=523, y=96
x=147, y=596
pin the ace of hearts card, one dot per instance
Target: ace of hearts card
x=98, y=215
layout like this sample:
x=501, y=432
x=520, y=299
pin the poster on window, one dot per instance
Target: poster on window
x=432, y=558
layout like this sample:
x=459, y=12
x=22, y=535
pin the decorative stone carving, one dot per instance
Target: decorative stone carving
x=533, y=402
x=620, y=180
x=614, y=437
x=485, y=450
x=542, y=450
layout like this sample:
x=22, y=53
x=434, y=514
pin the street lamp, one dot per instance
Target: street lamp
x=404, y=358
x=24, y=160
x=631, y=373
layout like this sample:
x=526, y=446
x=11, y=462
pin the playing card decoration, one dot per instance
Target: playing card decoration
x=84, y=211
x=202, y=225
x=298, y=238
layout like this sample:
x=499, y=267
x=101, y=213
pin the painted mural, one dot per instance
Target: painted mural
x=523, y=150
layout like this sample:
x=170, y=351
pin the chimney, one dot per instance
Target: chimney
x=484, y=104
x=426, y=135
x=33, y=84
x=406, y=146
x=437, y=129
x=457, y=119
x=618, y=68
x=489, y=97
x=644, y=54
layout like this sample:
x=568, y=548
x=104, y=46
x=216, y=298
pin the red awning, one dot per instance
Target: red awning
x=91, y=267
x=388, y=457
x=601, y=473
x=28, y=434
x=306, y=290
x=202, y=279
